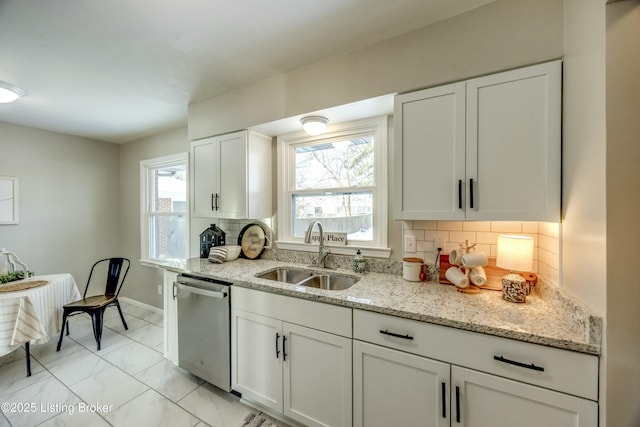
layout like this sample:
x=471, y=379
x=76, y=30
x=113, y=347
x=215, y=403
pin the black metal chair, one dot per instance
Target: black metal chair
x=96, y=305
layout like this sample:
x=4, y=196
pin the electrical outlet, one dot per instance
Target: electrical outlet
x=159, y=289
x=439, y=243
x=409, y=243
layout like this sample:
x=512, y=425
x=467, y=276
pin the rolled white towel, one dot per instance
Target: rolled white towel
x=217, y=254
x=457, y=277
x=475, y=259
x=478, y=276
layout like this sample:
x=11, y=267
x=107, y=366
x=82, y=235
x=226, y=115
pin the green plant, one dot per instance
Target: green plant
x=15, y=275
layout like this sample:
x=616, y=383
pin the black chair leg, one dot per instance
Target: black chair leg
x=124, y=323
x=97, y=326
x=64, y=323
x=27, y=351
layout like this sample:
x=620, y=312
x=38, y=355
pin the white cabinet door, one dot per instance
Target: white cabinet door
x=430, y=153
x=204, y=176
x=513, y=145
x=170, y=317
x=231, y=176
x=232, y=192
x=256, y=358
x=481, y=400
x=393, y=388
x=317, y=377
x=485, y=149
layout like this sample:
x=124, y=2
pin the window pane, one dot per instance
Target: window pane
x=169, y=189
x=346, y=163
x=338, y=212
x=167, y=237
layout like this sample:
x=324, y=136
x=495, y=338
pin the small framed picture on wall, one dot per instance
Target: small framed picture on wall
x=8, y=200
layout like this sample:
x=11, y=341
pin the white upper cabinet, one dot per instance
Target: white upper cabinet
x=485, y=149
x=231, y=176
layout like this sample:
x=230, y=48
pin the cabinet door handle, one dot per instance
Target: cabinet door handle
x=175, y=288
x=444, y=400
x=457, y=404
x=459, y=194
x=471, y=192
x=520, y=364
x=213, y=202
x=393, y=334
x=217, y=197
x=284, y=348
x=277, y=349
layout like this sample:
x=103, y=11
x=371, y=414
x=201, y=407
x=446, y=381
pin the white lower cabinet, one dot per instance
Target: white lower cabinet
x=299, y=371
x=396, y=388
x=418, y=373
x=481, y=399
x=170, y=317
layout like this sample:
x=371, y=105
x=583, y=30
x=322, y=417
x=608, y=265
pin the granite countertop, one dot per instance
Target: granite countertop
x=547, y=318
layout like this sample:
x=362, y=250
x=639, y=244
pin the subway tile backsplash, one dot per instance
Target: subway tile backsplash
x=485, y=234
x=546, y=235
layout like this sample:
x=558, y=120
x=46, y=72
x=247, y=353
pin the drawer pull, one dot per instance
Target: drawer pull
x=458, y=404
x=520, y=364
x=444, y=400
x=392, y=334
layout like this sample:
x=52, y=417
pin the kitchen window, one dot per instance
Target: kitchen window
x=339, y=179
x=164, y=208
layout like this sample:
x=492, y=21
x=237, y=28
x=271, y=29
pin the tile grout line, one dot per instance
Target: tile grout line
x=86, y=346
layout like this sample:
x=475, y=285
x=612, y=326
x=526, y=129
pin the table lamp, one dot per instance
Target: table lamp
x=515, y=253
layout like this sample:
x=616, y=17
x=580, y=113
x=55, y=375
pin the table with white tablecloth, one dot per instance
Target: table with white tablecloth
x=33, y=316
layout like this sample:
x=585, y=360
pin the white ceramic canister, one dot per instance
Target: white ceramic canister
x=411, y=269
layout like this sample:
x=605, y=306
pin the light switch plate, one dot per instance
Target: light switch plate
x=409, y=243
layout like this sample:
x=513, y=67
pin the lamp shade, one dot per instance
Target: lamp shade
x=515, y=253
x=314, y=125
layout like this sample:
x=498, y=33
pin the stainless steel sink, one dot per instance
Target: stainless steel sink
x=332, y=282
x=289, y=275
x=311, y=279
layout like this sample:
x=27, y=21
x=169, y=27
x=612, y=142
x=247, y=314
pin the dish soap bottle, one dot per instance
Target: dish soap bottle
x=358, y=262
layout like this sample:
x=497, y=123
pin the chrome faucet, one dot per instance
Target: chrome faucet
x=322, y=251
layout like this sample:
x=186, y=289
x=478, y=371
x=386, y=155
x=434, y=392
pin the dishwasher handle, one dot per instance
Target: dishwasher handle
x=203, y=292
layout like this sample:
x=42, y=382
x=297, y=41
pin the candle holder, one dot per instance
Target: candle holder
x=515, y=253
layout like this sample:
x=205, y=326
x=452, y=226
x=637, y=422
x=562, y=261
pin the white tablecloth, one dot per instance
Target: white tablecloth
x=34, y=315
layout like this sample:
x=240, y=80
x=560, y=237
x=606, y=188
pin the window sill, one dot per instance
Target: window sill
x=371, y=252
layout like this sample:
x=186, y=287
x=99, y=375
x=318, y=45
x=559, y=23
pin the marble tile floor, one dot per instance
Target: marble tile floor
x=127, y=383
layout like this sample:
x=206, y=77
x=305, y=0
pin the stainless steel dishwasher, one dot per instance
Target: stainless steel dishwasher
x=204, y=328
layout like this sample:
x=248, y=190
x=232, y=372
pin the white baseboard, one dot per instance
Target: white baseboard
x=141, y=304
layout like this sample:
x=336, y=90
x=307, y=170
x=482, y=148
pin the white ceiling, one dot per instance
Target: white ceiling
x=119, y=70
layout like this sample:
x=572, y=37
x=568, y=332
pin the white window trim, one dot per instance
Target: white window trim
x=377, y=125
x=145, y=207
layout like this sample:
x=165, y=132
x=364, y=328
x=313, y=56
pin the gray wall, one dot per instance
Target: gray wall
x=501, y=35
x=143, y=281
x=623, y=205
x=69, y=200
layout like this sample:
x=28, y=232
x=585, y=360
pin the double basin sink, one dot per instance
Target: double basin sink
x=309, y=278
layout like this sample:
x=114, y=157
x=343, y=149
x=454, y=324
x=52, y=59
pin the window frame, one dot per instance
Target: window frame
x=286, y=145
x=146, y=166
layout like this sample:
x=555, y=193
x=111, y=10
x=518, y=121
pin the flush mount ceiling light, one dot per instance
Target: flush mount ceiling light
x=314, y=125
x=9, y=92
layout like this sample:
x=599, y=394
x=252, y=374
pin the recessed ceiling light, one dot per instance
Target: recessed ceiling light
x=9, y=92
x=314, y=125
